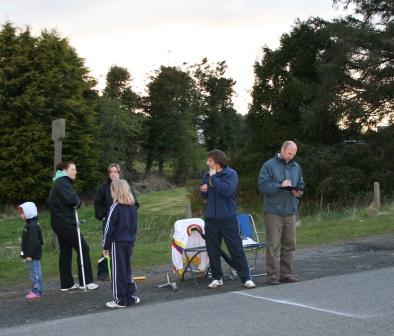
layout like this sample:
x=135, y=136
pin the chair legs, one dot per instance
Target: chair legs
x=254, y=265
x=189, y=266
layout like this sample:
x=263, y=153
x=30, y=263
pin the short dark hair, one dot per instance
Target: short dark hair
x=64, y=165
x=59, y=166
x=219, y=157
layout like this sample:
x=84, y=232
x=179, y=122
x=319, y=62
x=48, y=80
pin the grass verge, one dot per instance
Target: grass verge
x=158, y=212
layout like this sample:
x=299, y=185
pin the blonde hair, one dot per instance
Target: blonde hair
x=121, y=193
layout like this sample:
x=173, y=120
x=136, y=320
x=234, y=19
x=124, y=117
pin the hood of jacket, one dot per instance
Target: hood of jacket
x=29, y=209
x=59, y=173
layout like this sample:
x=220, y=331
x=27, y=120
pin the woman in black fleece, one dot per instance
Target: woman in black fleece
x=63, y=203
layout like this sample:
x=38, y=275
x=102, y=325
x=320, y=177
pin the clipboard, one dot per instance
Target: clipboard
x=291, y=188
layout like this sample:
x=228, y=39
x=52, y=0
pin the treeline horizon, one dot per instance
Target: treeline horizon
x=327, y=87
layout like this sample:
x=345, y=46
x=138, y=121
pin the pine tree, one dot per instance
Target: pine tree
x=218, y=120
x=171, y=107
x=121, y=124
x=42, y=79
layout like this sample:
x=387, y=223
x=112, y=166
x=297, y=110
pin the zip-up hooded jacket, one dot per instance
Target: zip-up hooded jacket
x=273, y=172
x=121, y=224
x=221, y=194
x=32, y=240
x=103, y=200
x=62, y=200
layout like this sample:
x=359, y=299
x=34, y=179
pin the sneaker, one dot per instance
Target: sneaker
x=113, y=304
x=216, y=283
x=32, y=296
x=272, y=281
x=288, y=279
x=249, y=284
x=137, y=300
x=75, y=286
x=91, y=285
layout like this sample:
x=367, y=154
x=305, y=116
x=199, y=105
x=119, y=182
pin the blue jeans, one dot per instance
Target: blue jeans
x=35, y=276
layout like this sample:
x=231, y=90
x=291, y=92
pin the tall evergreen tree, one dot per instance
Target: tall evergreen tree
x=121, y=125
x=328, y=81
x=219, y=121
x=42, y=79
x=369, y=97
x=171, y=107
x=294, y=89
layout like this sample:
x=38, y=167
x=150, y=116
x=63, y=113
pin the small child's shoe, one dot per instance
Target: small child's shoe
x=32, y=296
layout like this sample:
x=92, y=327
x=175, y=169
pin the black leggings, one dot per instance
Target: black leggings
x=68, y=239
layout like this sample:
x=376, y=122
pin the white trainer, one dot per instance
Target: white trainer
x=113, y=304
x=216, y=283
x=91, y=285
x=136, y=299
x=75, y=286
x=249, y=284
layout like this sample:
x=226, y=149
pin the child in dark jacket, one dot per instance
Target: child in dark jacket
x=119, y=236
x=32, y=247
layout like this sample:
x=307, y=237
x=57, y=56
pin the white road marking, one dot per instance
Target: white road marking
x=305, y=306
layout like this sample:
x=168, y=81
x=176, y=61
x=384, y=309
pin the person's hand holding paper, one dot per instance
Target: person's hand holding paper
x=287, y=185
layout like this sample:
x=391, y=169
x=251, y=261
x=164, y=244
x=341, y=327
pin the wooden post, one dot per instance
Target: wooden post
x=188, y=209
x=58, y=133
x=376, y=195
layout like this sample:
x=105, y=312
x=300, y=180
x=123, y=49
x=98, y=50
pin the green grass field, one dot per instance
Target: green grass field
x=158, y=212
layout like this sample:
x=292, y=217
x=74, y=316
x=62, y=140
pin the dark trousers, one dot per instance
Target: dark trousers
x=68, y=239
x=123, y=286
x=102, y=267
x=215, y=230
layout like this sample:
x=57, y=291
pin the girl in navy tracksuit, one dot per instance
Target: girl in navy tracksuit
x=119, y=236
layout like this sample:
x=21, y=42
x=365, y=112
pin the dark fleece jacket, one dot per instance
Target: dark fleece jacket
x=63, y=199
x=32, y=240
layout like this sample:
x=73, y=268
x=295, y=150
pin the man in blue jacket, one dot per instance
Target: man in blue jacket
x=219, y=188
x=281, y=182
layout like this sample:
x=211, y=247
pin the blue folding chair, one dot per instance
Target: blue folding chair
x=250, y=237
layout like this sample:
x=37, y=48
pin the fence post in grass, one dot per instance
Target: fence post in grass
x=58, y=133
x=188, y=209
x=376, y=196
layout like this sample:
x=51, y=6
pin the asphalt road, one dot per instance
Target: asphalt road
x=350, y=304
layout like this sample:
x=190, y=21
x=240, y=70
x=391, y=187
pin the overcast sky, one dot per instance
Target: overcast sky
x=142, y=35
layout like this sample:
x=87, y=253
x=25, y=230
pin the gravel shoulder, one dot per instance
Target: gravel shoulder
x=309, y=263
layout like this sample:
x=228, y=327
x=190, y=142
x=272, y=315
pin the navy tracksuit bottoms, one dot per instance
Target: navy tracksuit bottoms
x=123, y=286
x=228, y=229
